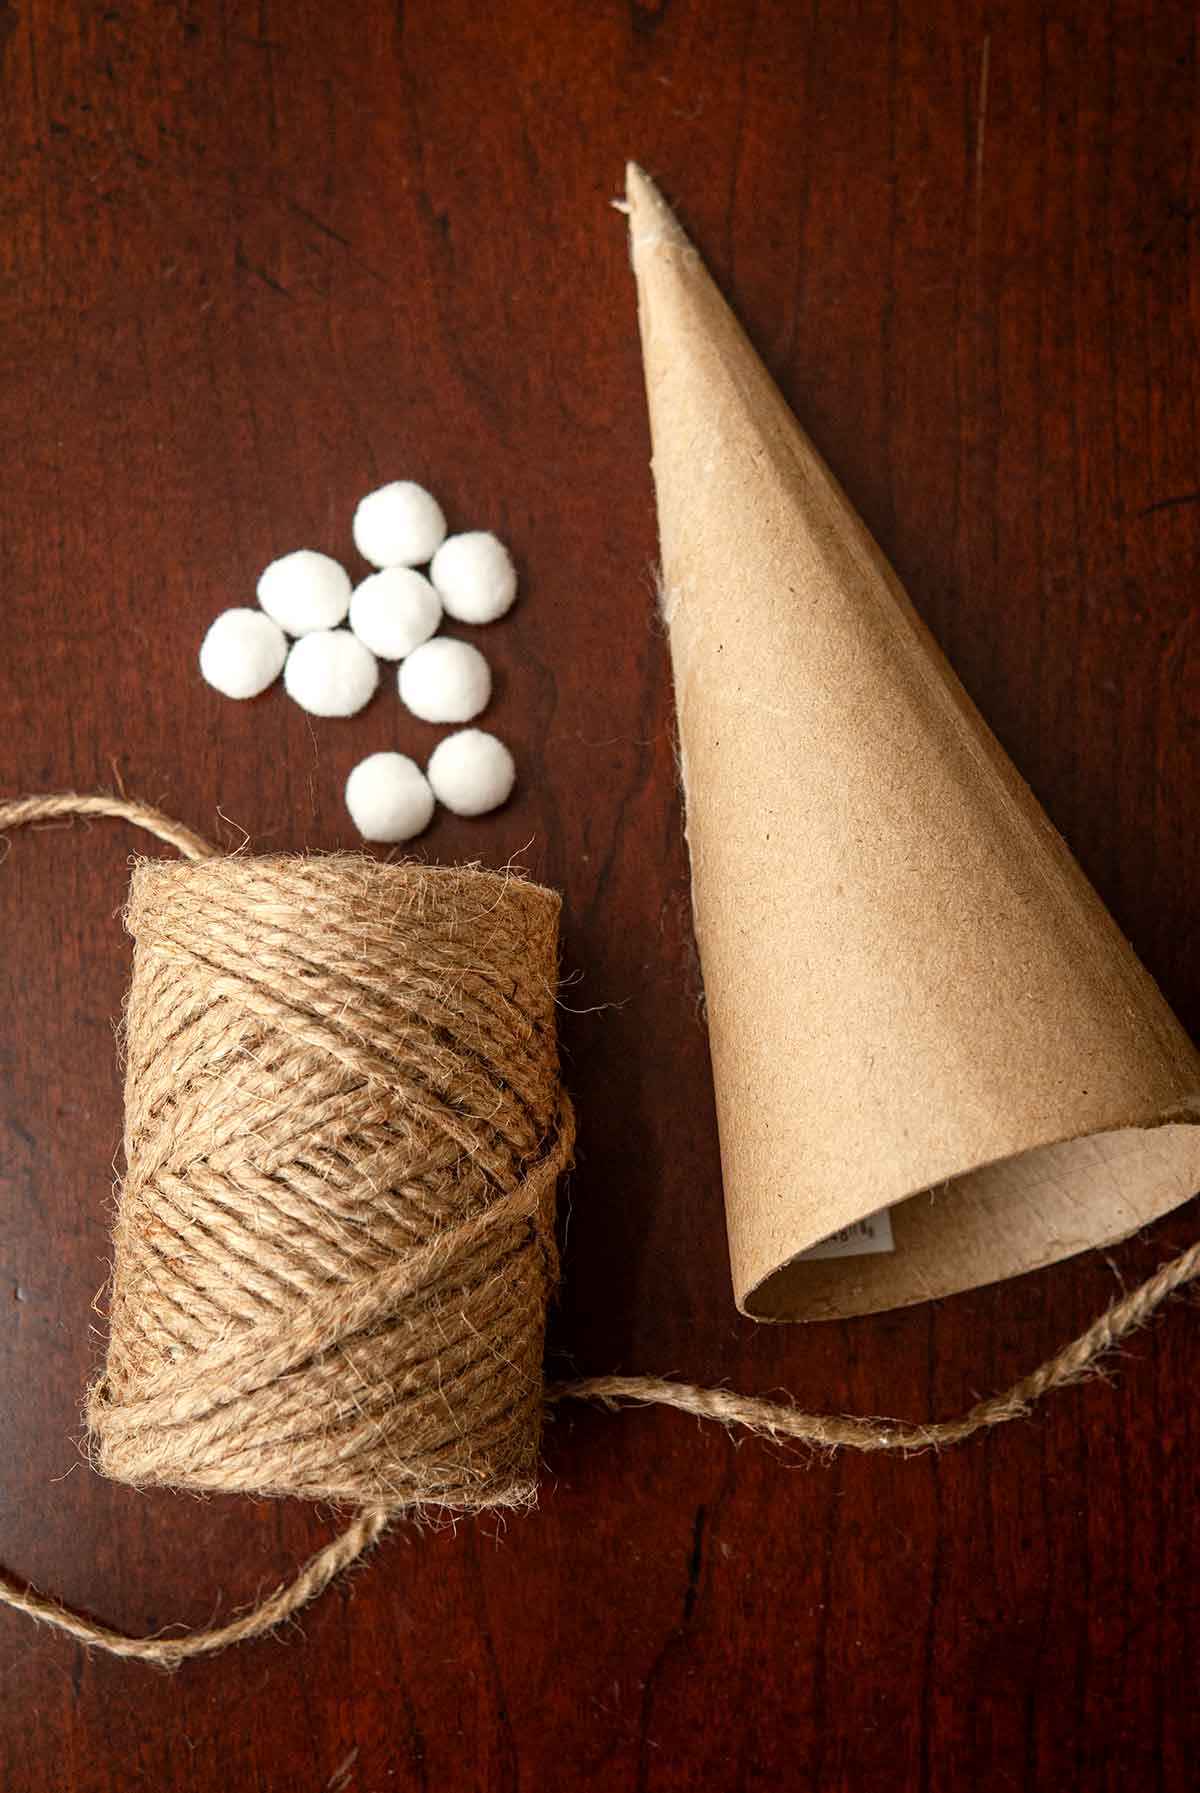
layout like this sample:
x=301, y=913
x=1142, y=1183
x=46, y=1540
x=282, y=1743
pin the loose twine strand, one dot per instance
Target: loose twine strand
x=141, y=1424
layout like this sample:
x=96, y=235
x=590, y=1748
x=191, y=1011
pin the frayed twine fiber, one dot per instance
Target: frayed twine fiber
x=334, y=1244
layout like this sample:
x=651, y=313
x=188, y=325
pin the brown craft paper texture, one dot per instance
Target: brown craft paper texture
x=915, y=998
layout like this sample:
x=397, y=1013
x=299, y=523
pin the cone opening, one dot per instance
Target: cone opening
x=1018, y=1214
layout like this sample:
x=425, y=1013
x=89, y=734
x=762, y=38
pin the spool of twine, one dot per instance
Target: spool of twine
x=335, y=1237
x=334, y=1243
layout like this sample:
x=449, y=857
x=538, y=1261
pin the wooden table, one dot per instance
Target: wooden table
x=256, y=260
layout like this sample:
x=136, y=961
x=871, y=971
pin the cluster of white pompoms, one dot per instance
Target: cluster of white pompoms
x=394, y=615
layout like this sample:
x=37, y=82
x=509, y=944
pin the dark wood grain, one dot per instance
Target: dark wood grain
x=255, y=259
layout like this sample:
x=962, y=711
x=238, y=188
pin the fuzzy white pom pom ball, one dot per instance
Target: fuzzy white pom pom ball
x=394, y=611
x=331, y=673
x=445, y=680
x=305, y=591
x=471, y=772
x=400, y=525
x=475, y=577
x=388, y=797
x=242, y=653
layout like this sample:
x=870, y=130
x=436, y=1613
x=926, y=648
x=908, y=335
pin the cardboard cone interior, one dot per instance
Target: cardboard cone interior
x=915, y=999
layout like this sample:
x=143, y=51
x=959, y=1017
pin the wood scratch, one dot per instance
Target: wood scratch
x=341, y=1774
x=1169, y=504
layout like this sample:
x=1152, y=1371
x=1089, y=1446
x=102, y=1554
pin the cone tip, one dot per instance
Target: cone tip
x=652, y=223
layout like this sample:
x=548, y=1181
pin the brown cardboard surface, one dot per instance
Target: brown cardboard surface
x=915, y=998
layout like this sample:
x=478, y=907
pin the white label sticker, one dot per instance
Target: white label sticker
x=872, y=1233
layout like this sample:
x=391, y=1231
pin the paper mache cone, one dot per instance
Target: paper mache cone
x=916, y=1001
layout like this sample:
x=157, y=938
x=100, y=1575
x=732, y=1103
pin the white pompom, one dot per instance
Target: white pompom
x=305, y=591
x=400, y=525
x=445, y=680
x=242, y=653
x=475, y=577
x=394, y=611
x=389, y=797
x=331, y=673
x=471, y=772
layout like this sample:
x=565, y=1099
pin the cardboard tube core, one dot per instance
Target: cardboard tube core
x=916, y=1001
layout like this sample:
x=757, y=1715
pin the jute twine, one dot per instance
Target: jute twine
x=334, y=1246
x=343, y=1128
